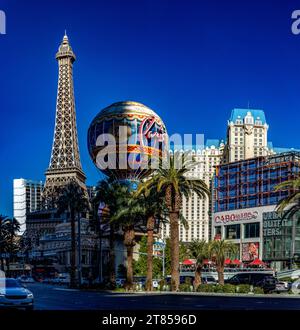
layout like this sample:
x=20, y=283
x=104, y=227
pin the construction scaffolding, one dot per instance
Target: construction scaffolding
x=251, y=183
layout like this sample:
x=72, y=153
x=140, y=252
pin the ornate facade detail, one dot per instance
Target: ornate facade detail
x=65, y=165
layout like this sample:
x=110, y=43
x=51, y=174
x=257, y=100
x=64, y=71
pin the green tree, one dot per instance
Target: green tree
x=141, y=264
x=106, y=196
x=128, y=213
x=154, y=210
x=171, y=179
x=219, y=250
x=291, y=204
x=9, y=229
x=72, y=200
x=13, y=246
x=199, y=251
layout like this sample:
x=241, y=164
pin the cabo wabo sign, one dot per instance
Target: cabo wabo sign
x=234, y=217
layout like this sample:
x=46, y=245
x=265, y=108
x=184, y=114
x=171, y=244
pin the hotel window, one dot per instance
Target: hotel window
x=251, y=230
x=232, y=231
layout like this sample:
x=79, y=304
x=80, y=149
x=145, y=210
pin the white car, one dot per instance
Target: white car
x=13, y=294
x=120, y=281
x=155, y=284
x=26, y=279
x=296, y=287
x=208, y=280
x=281, y=286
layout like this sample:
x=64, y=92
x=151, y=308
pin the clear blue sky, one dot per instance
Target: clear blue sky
x=191, y=61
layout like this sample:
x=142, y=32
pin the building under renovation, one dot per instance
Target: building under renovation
x=245, y=201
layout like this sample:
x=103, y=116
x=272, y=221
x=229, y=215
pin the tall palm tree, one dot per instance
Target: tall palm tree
x=72, y=199
x=151, y=208
x=4, y=237
x=106, y=195
x=199, y=251
x=219, y=250
x=291, y=204
x=13, y=228
x=171, y=179
x=128, y=214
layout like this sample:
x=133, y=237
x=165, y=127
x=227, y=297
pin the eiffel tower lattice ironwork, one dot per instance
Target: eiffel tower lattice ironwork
x=65, y=165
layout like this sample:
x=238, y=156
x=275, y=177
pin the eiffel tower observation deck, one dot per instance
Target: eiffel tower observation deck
x=65, y=165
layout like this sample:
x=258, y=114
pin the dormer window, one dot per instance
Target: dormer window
x=258, y=121
x=249, y=119
x=239, y=121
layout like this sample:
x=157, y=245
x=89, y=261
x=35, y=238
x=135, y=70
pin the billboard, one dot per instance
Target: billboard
x=250, y=251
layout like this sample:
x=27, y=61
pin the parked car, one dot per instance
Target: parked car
x=265, y=281
x=64, y=279
x=13, y=294
x=46, y=280
x=26, y=279
x=155, y=284
x=208, y=280
x=120, y=282
x=282, y=286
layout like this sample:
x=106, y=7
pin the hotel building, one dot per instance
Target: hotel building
x=27, y=197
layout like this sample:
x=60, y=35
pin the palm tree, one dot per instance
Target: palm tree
x=171, y=179
x=72, y=199
x=152, y=208
x=128, y=214
x=4, y=237
x=291, y=204
x=105, y=195
x=13, y=227
x=199, y=251
x=219, y=250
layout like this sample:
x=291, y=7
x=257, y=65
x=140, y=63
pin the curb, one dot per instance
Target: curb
x=211, y=294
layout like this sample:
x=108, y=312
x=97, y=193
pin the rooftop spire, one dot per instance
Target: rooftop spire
x=65, y=50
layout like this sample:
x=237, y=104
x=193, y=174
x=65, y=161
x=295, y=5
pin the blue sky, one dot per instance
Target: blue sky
x=190, y=61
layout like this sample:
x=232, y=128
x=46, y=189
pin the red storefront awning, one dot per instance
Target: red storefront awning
x=188, y=262
x=257, y=262
x=227, y=261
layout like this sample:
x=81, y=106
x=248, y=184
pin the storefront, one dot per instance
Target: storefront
x=243, y=227
x=281, y=239
x=260, y=233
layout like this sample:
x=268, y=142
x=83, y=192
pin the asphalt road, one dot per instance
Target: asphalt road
x=48, y=297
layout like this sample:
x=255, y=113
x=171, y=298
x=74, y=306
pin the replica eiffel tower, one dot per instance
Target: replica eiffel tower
x=65, y=165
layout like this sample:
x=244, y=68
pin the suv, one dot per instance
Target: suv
x=265, y=281
x=208, y=280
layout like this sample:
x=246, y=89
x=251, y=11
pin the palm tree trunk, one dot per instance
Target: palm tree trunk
x=220, y=271
x=73, y=251
x=198, y=280
x=129, y=267
x=112, y=271
x=174, y=235
x=150, y=229
x=129, y=242
x=7, y=262
x=2, y=262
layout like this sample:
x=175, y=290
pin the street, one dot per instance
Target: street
x=49, y=297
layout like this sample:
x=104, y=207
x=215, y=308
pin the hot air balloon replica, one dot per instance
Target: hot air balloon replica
x=126, y=141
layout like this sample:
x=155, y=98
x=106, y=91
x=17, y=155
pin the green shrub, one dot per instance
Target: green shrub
x=185, y=287
x=218, y=288
x=229, y=288
x=258, y=290
x=205, y=288
x=242, y=288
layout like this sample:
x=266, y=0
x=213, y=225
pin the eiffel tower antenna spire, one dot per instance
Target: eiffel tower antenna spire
x=65, y=165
